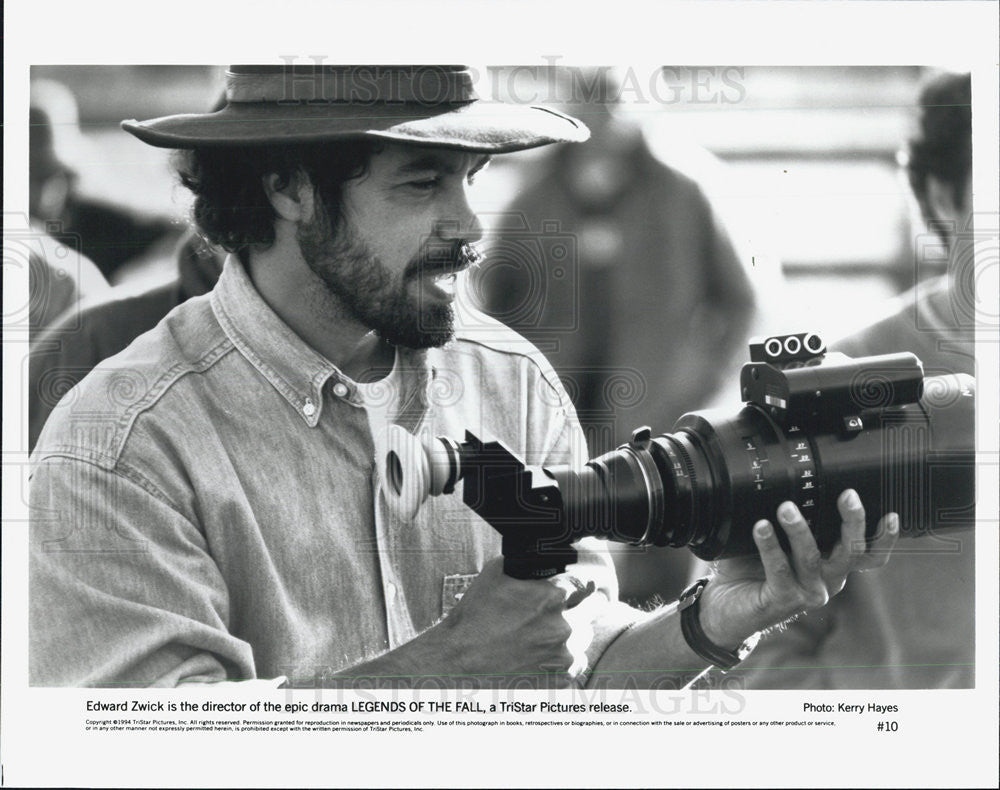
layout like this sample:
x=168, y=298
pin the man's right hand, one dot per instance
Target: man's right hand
x=502, y=632
x=518, y=628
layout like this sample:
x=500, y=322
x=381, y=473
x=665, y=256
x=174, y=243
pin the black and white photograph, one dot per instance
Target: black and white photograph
x=595, y=393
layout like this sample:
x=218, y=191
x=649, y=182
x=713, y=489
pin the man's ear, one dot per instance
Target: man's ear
x=292, y=198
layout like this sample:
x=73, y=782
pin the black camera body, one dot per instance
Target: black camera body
x=816, y=423
x=812, y=425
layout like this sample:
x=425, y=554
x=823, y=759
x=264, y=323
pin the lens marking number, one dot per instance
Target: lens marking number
x=804, y=470
x=758, y=461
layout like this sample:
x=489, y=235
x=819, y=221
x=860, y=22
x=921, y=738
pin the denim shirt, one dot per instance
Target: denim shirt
x=207, y=503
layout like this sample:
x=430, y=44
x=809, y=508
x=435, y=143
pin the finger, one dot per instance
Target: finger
x=851, y=545
x=574, y=589
x=581, y=620
x=886, y=534
x=806, y=559
x=587, y=609
x=777, y=570
x=579, y=641
x=852, y=527
x=594, y=564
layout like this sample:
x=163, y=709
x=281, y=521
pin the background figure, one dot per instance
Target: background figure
x=106, y=322
x=59, y=278
x=69, y=349
x=110, y=235
x=935, y=320
x=616, y=266
x=914, y=625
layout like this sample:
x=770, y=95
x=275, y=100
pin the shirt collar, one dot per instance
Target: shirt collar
x=269, y=344
x=292, y=367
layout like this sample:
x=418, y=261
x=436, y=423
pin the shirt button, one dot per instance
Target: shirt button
x=309, y=409
x=390, y=592
x=340, y=389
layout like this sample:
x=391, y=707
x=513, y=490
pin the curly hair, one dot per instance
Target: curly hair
x=942, y=146
x=231, y=208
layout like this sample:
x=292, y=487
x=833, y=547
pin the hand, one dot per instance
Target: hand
x=747, y=595
x=505, y=626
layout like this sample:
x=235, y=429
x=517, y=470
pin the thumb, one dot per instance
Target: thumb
x=573, y=587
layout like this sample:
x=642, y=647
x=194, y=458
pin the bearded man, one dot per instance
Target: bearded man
x=208, y=503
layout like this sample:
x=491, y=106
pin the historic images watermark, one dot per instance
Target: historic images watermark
x=547, y=83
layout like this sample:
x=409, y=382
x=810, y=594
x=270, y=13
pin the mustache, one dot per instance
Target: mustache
x=441, y=256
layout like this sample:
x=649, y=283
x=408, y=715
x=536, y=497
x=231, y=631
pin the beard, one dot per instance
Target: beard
x=372, y=294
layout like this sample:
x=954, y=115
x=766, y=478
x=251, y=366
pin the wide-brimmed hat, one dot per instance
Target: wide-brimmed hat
x=424, y=105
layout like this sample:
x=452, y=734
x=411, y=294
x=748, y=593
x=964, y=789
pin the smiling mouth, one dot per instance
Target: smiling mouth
x=444, y=278
x=443, y=281
x=438, y=269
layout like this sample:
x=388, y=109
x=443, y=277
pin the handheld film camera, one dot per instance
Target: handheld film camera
x=812, y=424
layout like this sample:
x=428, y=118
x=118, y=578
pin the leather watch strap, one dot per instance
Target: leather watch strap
x=696, y=638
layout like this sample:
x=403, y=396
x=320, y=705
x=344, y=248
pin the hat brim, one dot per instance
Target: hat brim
x=485, y=127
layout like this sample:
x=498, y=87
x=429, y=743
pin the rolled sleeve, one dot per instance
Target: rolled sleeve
x=123, y=590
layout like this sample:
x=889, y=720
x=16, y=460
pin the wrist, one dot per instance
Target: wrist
x=723, y=623
x=701, y=642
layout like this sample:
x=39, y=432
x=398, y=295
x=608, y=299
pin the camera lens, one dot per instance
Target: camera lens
x=806, y=434
x=717, y=474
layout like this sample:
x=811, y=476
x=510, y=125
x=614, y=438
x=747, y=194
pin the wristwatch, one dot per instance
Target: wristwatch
x=724, y=659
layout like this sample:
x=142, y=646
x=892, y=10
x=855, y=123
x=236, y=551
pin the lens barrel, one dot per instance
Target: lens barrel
x=717, y=474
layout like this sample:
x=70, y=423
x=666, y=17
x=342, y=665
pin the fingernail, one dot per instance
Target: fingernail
x=893, y=525
x=787, y=512
x=851, y=499
x=763, y=529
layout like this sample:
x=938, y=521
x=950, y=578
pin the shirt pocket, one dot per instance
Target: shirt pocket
x=453, y=588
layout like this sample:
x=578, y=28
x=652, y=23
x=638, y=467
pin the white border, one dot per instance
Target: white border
x=950, y=738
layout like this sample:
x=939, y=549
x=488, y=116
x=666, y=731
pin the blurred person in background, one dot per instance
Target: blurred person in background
x=646, y=322
x=59, y=278
x=914, y=625
x=109, y=234
x=60, y=271
x=935, y=320
x=106, y=323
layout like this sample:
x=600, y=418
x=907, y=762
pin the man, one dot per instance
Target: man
x=207, y=504
x=109, y=234
x=912, y=626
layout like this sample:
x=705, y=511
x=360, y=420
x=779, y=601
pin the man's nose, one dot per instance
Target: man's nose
x=459, y=223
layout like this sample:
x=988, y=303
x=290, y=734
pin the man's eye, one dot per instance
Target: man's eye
x=424, y=185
